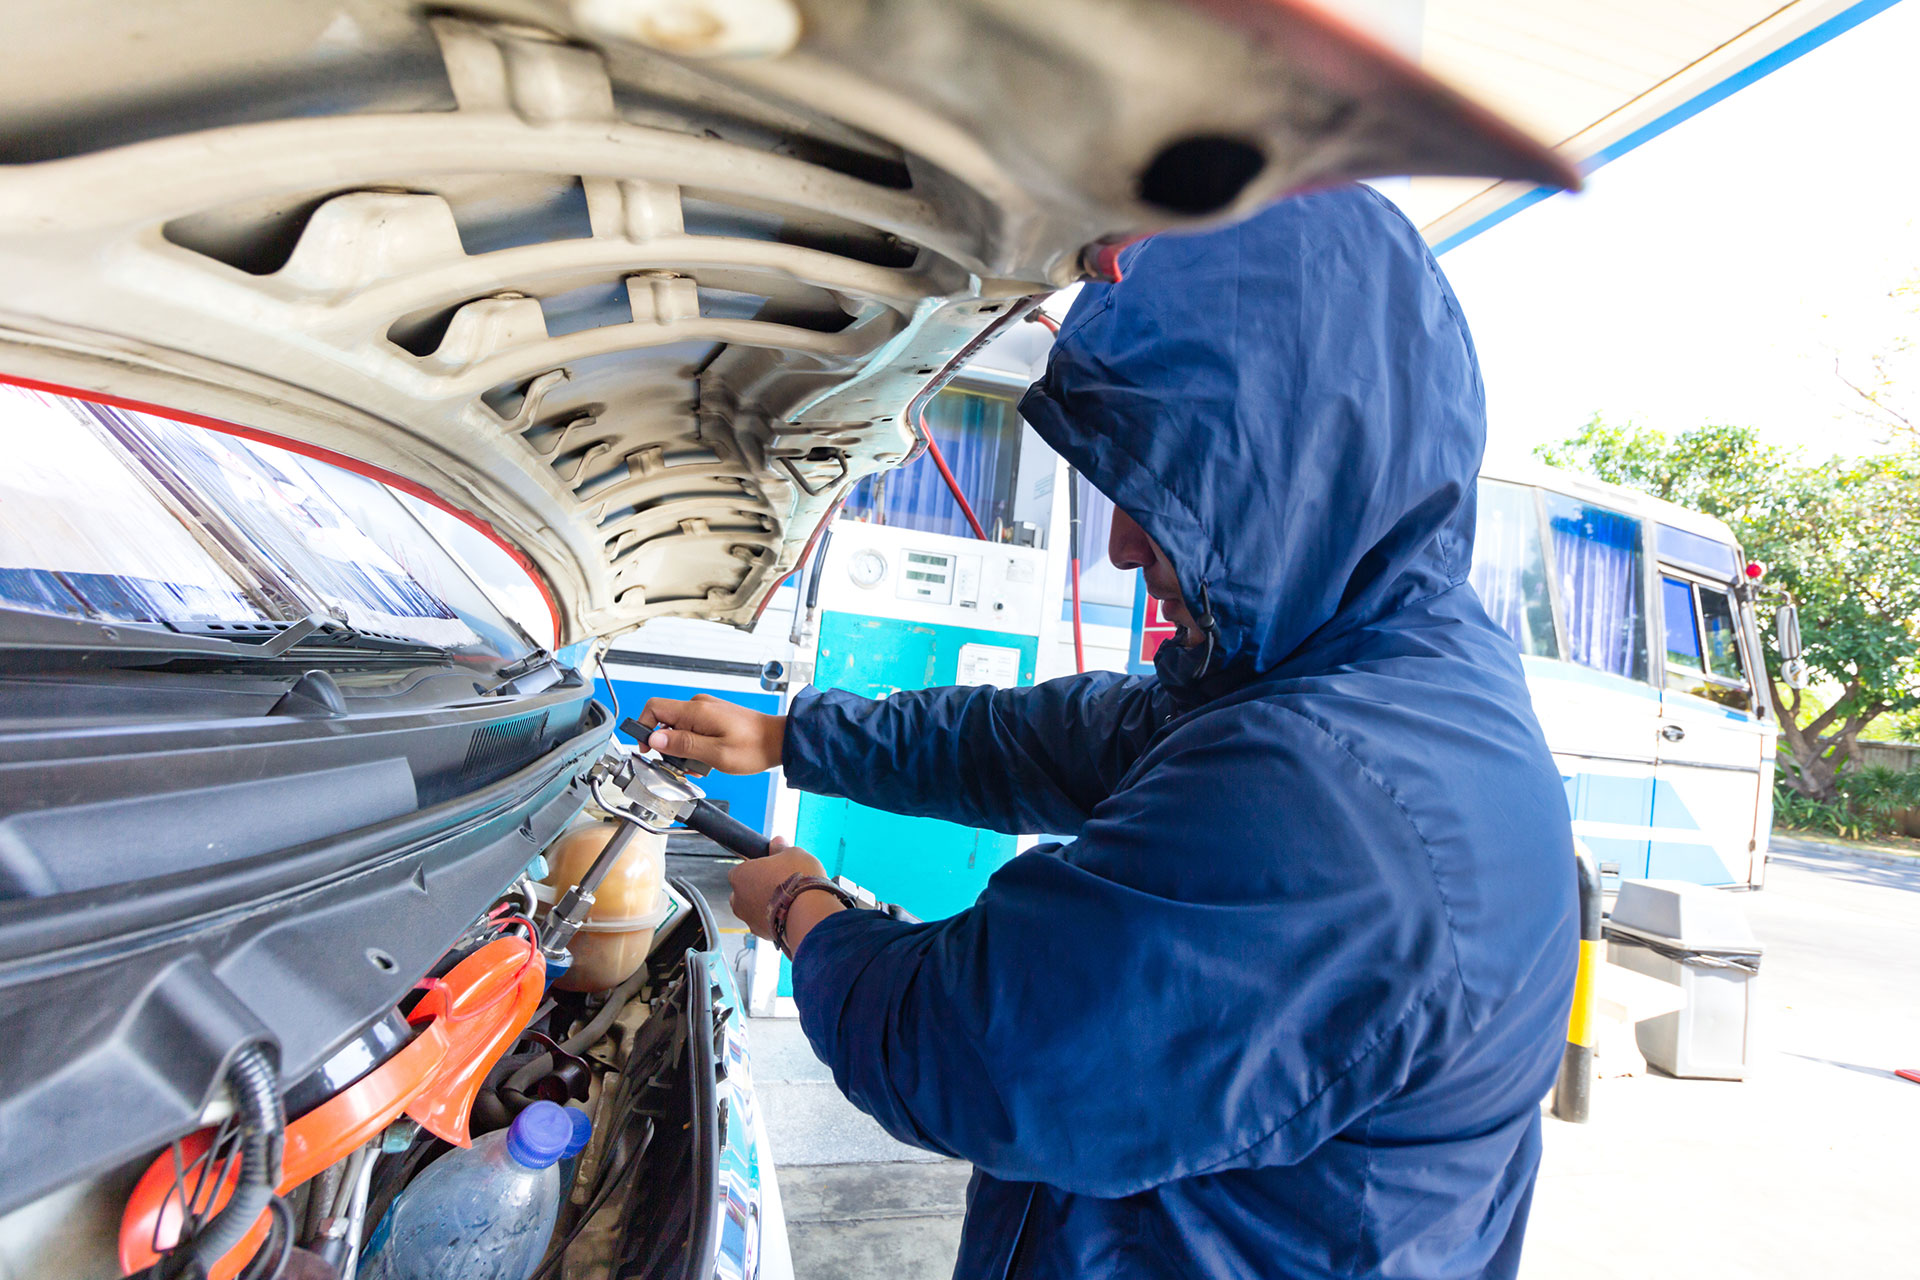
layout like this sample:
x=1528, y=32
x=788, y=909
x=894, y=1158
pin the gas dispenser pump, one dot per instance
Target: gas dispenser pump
x=903, y=609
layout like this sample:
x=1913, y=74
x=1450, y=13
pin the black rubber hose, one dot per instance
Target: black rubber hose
x=727, y=831
x=583, y=1039
x=256, y=1098
x=819, y=563
x=277, y=1249
x=801, y=610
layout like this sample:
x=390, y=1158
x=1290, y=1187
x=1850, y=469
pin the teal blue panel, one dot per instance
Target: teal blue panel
x=877, y=656
x=1697, y=863
x=931, y=868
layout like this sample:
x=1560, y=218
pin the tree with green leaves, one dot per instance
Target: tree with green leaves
x=1840, y=539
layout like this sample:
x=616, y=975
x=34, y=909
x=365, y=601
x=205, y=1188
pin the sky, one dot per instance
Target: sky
x=1716, y=273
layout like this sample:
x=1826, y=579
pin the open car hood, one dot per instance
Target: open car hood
x=643, y=285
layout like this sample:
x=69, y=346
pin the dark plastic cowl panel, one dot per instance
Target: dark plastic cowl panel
x=118, y=1007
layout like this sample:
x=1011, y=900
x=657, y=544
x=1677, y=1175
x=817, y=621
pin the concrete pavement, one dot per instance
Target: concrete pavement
x=1804, y=1169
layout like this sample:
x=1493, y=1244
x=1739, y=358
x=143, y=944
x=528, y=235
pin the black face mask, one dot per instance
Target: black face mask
x=1187, y=669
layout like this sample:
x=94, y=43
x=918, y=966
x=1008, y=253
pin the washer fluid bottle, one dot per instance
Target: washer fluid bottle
x=480, y=1213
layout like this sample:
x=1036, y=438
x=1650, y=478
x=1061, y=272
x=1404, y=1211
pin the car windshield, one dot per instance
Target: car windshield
x=115, y=515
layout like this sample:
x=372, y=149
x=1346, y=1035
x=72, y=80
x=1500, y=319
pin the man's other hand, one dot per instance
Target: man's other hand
x=756, y=880
x=715, y=732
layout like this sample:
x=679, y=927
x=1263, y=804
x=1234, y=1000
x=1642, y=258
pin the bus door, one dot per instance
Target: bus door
x=1714, y=743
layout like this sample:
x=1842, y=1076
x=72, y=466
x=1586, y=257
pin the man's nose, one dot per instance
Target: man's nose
x=1127, y=543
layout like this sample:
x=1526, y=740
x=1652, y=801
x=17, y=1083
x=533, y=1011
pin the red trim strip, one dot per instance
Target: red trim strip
x=318, y=454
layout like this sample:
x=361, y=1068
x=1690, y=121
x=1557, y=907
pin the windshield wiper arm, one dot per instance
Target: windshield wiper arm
x=29, y=630
x=323, y=630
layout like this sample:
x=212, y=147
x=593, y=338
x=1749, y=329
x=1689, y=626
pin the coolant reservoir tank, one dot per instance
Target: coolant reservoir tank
x=627, y=907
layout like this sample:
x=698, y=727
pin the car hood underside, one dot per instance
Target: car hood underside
x=644, y=286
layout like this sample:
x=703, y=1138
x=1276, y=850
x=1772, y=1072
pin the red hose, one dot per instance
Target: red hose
x=953, y=486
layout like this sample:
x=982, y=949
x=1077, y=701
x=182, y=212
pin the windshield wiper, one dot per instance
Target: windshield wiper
x=25, y=629
x=325, y=632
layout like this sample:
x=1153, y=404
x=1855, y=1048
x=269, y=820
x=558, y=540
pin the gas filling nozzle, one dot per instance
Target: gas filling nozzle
x=645, y=794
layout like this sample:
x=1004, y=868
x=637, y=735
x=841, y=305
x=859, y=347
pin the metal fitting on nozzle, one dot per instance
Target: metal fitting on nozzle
x=645, y=795
x=649, y=793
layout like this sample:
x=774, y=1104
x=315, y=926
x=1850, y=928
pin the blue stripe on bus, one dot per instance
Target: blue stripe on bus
x=1611, y=798
x=1629, y=855
x=1669, y=810
x=1697, y=863
x=1623, y=799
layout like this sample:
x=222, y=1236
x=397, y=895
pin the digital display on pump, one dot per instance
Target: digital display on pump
x=927, y=575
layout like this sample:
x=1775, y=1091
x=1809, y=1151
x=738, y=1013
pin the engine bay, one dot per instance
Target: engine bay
x=654, y=1061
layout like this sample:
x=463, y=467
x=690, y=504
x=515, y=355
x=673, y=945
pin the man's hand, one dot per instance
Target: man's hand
x=719, y=734
x=756, y=880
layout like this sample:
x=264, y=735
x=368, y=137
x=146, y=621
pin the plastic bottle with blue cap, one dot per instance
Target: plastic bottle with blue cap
x=482, y=1213
x=570, y=1158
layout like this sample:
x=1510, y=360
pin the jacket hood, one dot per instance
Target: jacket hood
x=1292, y=409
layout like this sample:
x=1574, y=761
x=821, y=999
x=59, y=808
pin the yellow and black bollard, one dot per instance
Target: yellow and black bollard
x=1573, y=1091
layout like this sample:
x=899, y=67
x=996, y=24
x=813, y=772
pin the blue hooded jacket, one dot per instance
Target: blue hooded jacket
x=1289, y=1003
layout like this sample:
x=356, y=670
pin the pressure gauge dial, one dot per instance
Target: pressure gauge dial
x=867, y=568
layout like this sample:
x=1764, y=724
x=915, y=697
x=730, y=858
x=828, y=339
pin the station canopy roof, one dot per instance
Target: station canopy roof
x=1595, y=78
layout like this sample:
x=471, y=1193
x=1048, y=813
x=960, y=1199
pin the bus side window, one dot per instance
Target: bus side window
x=1703, y=649
x=1597, y=556
x=1509, y=571
x=1723, y=642
x=1683, y=628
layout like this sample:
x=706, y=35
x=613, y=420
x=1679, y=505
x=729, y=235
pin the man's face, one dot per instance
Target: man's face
x=1129, y=547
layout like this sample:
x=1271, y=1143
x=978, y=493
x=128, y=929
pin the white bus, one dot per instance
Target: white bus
x=1636, y=625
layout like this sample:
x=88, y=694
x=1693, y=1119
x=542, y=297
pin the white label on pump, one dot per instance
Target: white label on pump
x=992, y=664
x=966, y=582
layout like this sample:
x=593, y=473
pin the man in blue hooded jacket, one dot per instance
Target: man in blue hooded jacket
x=1288, y=1004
